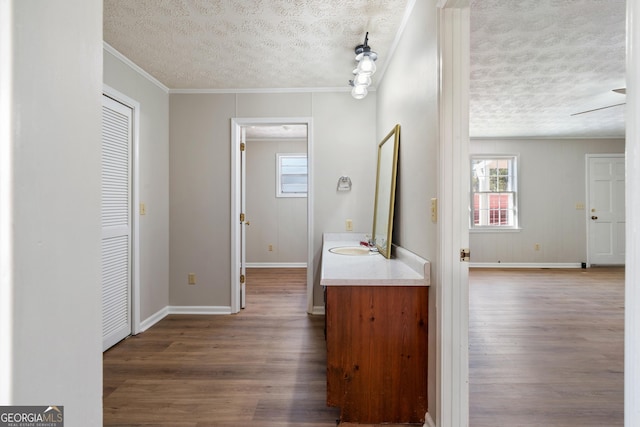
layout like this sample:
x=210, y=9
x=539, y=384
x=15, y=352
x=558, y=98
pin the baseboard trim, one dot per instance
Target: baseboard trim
x=198, y=309
x=276, y=265
x=153, y=319
x=428, y=421
x=318, y=310
x=176, y=309
x=525, y=265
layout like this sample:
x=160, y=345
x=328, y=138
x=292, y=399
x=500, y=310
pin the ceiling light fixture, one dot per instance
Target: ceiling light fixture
x=366, y=59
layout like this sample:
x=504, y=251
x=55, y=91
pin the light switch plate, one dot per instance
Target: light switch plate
x=434, y=210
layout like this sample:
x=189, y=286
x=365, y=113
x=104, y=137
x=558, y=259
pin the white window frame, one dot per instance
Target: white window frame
x=513, y=175
x=279, y=190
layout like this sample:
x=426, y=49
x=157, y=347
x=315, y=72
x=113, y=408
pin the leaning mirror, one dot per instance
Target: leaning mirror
x=385, y=191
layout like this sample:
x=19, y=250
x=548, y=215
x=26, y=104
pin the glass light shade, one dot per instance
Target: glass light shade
x=362, y=79
x=366, y=65
x=359, y=91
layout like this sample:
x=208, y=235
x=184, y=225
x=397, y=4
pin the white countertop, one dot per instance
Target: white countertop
x=405, y=269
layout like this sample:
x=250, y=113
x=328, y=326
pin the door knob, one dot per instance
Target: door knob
x=248, y=223
x=594, y=217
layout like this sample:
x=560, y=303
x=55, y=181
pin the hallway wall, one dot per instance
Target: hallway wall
x=200, y=171
x=50, y=295
x=153, y=185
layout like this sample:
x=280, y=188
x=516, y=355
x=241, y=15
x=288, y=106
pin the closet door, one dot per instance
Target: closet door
x=116, y=221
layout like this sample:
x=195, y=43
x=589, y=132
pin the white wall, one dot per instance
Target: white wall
x=345, y=143
x=51, y=327
x=153, y=185
x=200, y=183
x=279, y=222
x=409, y=96
x=200, y=144
x=551, y=181
x=632, y=273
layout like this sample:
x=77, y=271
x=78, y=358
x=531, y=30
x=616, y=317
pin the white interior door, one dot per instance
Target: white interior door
x=117, y=137
x=452, y=291
x=243, y=219
x=606, y=214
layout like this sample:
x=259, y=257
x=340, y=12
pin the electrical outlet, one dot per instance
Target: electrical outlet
x=270, y=248
x=349, y=225
x=191, y=277
x=537, y=246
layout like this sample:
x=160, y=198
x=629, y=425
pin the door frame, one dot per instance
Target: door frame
x=135, y=204
x=587, y=175
x=447, y=404
x=452, y=286
x=237, y=124
x=632, y=229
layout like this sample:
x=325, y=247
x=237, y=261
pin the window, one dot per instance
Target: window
x=292, y=175
x=494, y=192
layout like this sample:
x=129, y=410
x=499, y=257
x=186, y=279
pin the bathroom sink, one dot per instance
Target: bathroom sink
x=350, y=250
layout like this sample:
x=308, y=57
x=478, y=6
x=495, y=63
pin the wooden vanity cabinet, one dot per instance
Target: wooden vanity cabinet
x=377, y=353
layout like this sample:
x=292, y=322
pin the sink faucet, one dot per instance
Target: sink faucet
x=369, y=243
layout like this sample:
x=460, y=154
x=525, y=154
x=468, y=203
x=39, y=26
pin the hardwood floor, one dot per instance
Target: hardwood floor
x=264, y=367
x=546, y=347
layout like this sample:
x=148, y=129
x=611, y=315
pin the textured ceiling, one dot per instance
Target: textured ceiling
x=240, y=44
x=533, y=62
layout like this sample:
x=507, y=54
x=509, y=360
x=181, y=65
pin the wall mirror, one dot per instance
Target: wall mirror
x=386, y=191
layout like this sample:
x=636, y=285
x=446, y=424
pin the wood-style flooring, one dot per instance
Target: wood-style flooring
x=546, y=349
x=264, y=367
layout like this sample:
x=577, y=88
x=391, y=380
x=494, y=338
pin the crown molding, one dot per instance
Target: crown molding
x=134, y=66
x=452, y=4
x=392, y=50
x=265, y=90
x=549, y=137
x=142, y=72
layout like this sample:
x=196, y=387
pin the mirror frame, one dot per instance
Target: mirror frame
x=381, y=233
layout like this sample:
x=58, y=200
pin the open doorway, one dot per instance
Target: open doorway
x=276, y=196
x=275, y=233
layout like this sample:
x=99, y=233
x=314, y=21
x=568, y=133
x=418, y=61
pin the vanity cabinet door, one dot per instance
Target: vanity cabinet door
x=377, y=353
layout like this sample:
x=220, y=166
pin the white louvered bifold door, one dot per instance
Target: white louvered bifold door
x=116, y=221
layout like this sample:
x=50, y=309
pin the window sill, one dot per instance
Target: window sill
x=290, y=195
x=495, y=230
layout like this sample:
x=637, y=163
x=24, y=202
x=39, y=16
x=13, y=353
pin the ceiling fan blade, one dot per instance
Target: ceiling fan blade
x=623, y=90
x=597, y=109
